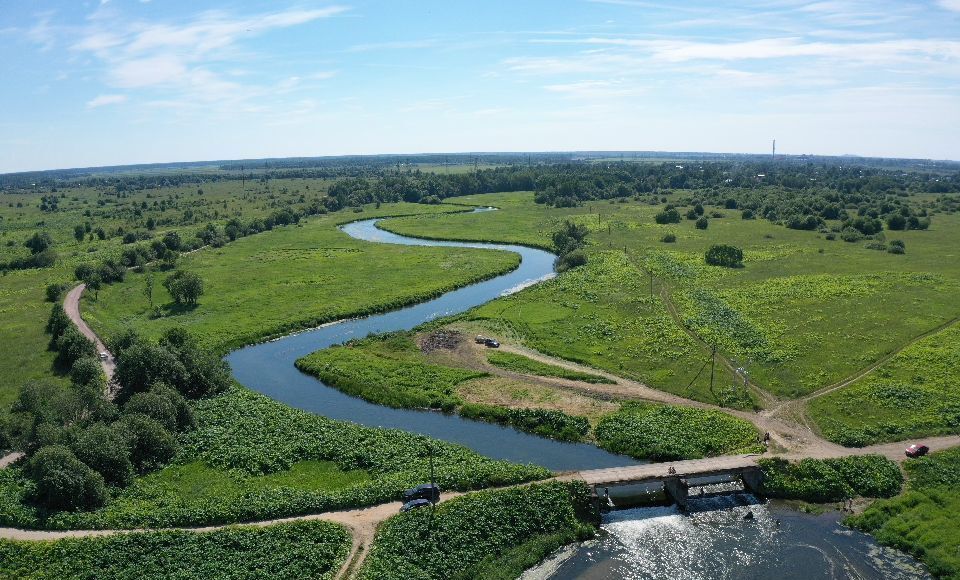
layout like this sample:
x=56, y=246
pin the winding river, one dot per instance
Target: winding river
x=714, y=541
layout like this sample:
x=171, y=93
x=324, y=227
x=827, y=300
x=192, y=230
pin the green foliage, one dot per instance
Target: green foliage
x=669, y=216
x=87, y=371
x=544, y=422
x=62, y=482
x=176, y=360
x=71, y=346
x=106, y=450
x=56, y=289
x=668, y=432
x=914, y=394
x=460, y=537
x=525, y=365
x=185, y=287
x=701, y=224
x=724, y=255
x=827, y=480
x=151, y=446
x=923, y=520
x=290, y=551
x=669, y=238
x=388, y=370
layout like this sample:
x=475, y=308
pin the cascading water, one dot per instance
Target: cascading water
x=718, y=538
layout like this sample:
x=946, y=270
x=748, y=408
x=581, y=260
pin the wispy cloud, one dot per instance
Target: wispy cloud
x=102, y=100
x=953, y=5
x=182, y=58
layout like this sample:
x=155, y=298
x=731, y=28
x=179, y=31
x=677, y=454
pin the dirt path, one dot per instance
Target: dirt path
x=9, y=458
x=71, y=304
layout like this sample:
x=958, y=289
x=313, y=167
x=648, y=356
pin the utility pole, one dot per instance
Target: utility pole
x=713, y=363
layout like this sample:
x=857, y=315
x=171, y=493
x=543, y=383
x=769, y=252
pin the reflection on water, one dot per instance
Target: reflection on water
x=714, y=540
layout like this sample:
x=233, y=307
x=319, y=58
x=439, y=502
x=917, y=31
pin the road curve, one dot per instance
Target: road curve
x=71, y=304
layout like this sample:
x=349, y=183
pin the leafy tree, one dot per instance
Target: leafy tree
x=155, y=406
x=94, y=284
x=896, y=222
x=58, y=322
x=670, y=216
x=63, y=482
x=185, y=287
x=724, y=255
x=172, y=241
x=571, y=236
x=84, y=271
x=55, y=291
x=106, y=450
x=39, y=242
x=79, y=232
x=747, y=214
x=151, y=446
x=669, y=238
x=87, y=370
x=702, y=223
x=72, y=346
x=144, y=363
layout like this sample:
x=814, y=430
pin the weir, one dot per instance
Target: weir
x=675, y=475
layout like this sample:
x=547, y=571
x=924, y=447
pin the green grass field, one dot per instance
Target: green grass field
x=293, y=278
x=804, y=312
x=285, y=551
x=915, y=393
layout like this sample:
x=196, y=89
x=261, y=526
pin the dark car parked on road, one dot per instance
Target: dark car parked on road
x=427, y=491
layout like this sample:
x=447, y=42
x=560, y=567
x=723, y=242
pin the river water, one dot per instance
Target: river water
x=712, y=541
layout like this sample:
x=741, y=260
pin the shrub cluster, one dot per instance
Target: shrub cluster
x=569, y=242
x=544, y=422
x=827, y=480
x=459, y=538
x=668, y=432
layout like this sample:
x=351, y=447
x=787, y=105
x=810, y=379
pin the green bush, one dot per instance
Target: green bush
x=669, y=238
x=460, y=537
x=668, y=432
x=827, y=480
x=284, y=551
x=151, y=446
x=544, y=422
x=723, y=255
x=62, y=482
x=670, y=216
x=106, y=450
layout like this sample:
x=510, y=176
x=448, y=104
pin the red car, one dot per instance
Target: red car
x=917, y=450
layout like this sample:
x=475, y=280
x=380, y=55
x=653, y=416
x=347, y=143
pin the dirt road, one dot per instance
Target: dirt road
x=71, y=304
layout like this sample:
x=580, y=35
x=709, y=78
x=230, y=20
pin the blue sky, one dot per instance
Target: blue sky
x=130, y=81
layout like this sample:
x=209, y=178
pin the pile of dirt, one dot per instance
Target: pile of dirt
x=441, y=339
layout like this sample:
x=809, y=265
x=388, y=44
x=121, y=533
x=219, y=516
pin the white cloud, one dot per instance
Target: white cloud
x=953, y=5
x=102, y=100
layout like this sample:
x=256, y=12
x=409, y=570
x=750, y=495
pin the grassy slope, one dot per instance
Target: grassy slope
x=916, y=393
x=296, y=277
x=285, y=551
x=923, y=520
x=827, y=335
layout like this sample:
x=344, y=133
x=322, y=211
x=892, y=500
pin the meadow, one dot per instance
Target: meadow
x=285, y=551
x=913, y=394
x=805, y=311
x=526, y=365
x=295, y=277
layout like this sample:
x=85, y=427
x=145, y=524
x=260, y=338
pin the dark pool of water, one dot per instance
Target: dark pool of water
x=268, y=367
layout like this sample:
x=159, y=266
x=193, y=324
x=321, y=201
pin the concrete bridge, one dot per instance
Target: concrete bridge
x=675, y=475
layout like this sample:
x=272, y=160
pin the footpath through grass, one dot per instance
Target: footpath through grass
x=525, y=365
x=914, y=394
x=923, y=520
x=281, y=552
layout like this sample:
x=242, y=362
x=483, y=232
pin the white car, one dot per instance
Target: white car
x=104, y=356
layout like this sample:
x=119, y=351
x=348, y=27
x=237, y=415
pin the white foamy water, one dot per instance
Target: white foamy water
x=715, y=541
